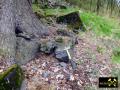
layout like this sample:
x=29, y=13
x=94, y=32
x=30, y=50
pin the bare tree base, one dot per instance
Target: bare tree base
x=20, y=30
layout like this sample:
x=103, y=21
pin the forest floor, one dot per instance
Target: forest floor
x=93, y=56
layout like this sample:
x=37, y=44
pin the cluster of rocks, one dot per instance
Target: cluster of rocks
x=46, y=70
x=62, y=48
x=62, y=44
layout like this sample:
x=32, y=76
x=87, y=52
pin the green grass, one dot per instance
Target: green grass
x=100, y=25
x=116, y=55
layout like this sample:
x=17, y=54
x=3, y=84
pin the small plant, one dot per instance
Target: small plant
x=99, y=49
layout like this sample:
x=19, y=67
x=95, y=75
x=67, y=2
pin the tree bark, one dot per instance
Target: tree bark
x=20, y=30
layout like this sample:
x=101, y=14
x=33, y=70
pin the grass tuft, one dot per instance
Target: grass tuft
x=116, y=55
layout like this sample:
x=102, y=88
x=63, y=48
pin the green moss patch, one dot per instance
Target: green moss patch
x=11, y=79
x=53, y=12
x=59, y=12
x=36, y=9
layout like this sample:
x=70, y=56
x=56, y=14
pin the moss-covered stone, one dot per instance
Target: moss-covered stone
x=72, y=19
x=11, y=79
x=47, y=46
x=59, y=39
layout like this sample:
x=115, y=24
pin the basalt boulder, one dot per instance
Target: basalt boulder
x=62, y=56
x=72, y=19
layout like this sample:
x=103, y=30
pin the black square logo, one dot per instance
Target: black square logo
x=108, y=82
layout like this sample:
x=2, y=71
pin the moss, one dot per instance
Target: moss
x=38, y=11
x=12, y=78
x=59, y=40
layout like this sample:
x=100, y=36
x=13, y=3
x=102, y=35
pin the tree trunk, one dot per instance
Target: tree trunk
x=20, y=30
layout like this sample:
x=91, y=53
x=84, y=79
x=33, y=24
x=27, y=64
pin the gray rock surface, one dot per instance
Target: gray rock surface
x=26, y=50
x=62, y=55
x=47, y=47
x=45, y=74
x=62, y=64
x=73, y=19
x=73, y=64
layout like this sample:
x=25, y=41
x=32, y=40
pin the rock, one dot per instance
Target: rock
x=70, y=78
x=56, y=69
x=11, y=79
x=63, y=64
x=24, y=35
x=59, y=40
x=44, y=64
x=59, y=76
x=26, y=50
x=63, y=32
x=73, y=64
x=62, y=56
x=64, y=41
x=47, y=47
x=76, y=31
x=73, y=19
x=62, y=48
x=45, y=74
x=23, y=86
x=76, y=41
x=71, y=35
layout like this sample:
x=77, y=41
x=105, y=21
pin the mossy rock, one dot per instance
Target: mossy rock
x=72, y=19
x=59, y=39
x=11, y=79
x=64, y=41
x=47, y=46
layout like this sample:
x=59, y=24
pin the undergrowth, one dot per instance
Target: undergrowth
x=102, y=26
